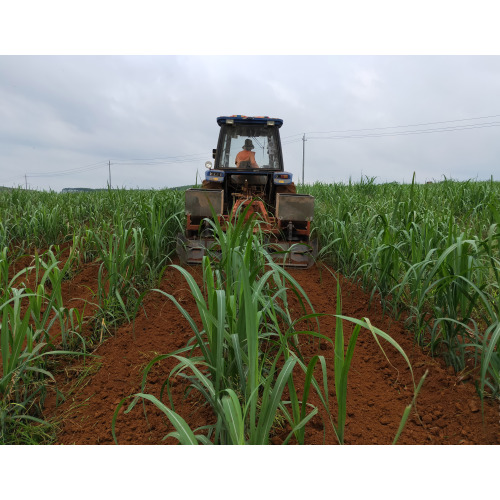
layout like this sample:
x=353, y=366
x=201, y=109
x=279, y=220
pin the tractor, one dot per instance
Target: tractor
x=248, y=170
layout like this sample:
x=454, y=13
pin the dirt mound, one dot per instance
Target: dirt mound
x=448, y=408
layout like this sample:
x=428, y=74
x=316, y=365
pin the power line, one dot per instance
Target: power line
x=412, y=132
x=394, y=133
x=56, y=173
x=144, y=162
x=11, y=179
x=406, y=132
x=160, y=158
x=395, y=126
x=91, y=166
x=98, y=165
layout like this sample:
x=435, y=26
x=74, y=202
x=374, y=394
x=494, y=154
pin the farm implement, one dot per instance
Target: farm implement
x=248, y=180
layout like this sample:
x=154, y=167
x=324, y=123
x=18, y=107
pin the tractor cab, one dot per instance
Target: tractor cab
x=260, y=134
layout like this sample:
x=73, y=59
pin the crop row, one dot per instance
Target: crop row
x=429, y=253
x=130, y=235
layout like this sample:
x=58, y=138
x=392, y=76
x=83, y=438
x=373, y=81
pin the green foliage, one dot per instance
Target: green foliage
x=132, y=234
x=430, y=251
x=27, y=318
x=242, y=382
x=249, y=349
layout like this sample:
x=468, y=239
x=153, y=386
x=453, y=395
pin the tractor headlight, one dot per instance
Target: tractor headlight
x=208, y=164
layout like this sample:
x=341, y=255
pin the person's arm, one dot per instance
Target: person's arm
x=252, y=160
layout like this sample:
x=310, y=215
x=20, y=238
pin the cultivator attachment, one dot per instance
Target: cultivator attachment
x=286, y=233
x=299, y=255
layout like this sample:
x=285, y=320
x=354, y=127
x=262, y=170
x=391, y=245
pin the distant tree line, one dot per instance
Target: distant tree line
x=79, y=190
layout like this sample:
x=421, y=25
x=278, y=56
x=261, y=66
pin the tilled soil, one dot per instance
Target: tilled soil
x=448, y=409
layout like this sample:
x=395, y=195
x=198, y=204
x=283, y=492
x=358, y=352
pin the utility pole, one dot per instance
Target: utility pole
x=109, y=168
x=26, y=181
x=303, y=156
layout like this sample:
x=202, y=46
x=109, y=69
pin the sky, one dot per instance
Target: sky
x=76, y=119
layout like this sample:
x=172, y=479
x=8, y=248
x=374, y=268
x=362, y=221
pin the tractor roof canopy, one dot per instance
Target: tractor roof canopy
x=257, y=120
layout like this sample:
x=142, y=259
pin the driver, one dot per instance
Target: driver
x=246, y=158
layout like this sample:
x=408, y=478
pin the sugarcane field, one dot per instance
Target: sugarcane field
x=389, y=332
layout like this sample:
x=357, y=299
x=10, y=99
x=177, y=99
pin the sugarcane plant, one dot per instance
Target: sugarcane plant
x=246, y=358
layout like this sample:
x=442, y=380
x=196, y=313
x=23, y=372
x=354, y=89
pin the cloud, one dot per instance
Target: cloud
x=69, y=113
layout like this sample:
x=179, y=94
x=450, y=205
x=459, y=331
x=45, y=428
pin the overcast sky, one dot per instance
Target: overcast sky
x=63, y=118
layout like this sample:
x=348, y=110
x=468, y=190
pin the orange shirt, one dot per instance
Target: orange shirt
x=246, y=156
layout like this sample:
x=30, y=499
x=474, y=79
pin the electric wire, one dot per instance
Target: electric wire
x=65, y=172
x=144, y=162
x=159, y=158
x=100, y=164
x=393, y=126
x=412, y=132
x=400, y=133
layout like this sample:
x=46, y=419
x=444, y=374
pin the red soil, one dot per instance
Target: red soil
x=448, y=408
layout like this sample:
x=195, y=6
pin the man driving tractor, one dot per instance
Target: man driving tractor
x=246, y=158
